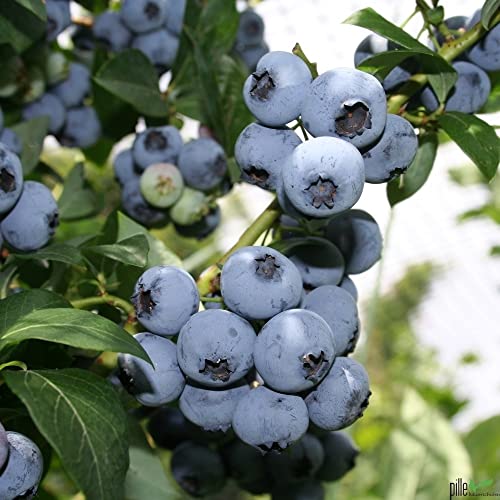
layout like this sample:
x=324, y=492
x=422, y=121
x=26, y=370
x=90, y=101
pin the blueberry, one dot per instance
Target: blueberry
x=348, y=104
x=470, y=93
x=159, y=46
x=33, y=221
x=24, y=468
x=294, y=351
x=4, y=446
x=11, y=141
x=251, y=54
x=262, y=153
x=58, y=17
x=161, y=184
x=198, y=469
x=157, y=145
x=75, y=88
x=110, y=30
x=50, y=106
x=211, y=409
x=152, y=385
x=1, y=120
x=338, y=308
x=285, y=204
x=202, y=228
x=190, y=208
x=457, y=24
x=175, y=16
x=215, y=348
x=260, y=282
x=124, y=167
x=144, y=15
x=340, y=399
x=393, y=153
x=203, y=163
x=358, y=237
x=165, y=297
x=486, y=53
x=11, y=179
x=276, y=91
x=348, y=285
x=250, y=28
x=326, y=176
x=56, y=68
x=83, y=39
x=138, y=208
x=308, y=489
x=82, y=129
x=340, y=453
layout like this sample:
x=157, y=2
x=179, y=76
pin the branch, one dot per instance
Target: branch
x=112, y=300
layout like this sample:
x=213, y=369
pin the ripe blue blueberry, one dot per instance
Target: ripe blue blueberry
x=161, y=185
x=34, y=219
x=11, y=179
x=340, y=456
x=270, y=421
x=83, y=40
x=348, y=285
x=215, y=348
x=157, y=145
x=486, y=53
x=348, y=104
x=260, y=282
x=23, y=470
x=211, y=409
x=307, y=489
x=202, y=228
x=110, y=30
x=294, y=351
x=58, y=17
x=393, y=153
x=252, y=54
x=338, y=308
x=165, y=297
x=262, y=154
x=4, y=447
x=124, y=167
x=250, y=28
x=82, y=128
x=340, y=399
x=152, y=385
x=274, y=93
x=143, y=15
x=357, y=235
x=50, y=106
x=198, y=469
x=326, y=176
x=11, y=141
x=469, y=94
x=285, y=204
x=175, y=16
x=159, y=46
x=73, y=90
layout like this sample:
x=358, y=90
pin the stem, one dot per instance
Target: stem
x=85, y=21
x=409, y=18
x=220, y=300
x=105, y=298
x=208, y=282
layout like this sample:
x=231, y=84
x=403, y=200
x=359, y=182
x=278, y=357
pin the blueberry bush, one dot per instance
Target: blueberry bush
x=134, y=363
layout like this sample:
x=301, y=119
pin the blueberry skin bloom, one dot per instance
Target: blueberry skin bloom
x=259, y=282
x=215, y=348
x=143, y=15
x=326, y=176
x=270, y=421
x=250, y=29
x=211, y=409
x=75, y=88
x=4, y=446
x=165, y=297
x=340, y=399
x=11, y=141
x=486, y=53
x=152, y=385
x=124, y=167
x=393, y=153
x=50, y=106
x=340, y=453
x=348, y=104
x=175, y=16
x=82, y=129
x=294, y=351
x=262, y=153
x=203, y=163
x=58, y=17
x=470, y=93
x=159, y=46
x=338, y=308
x=23, y=470
x=274, y=93
x=11, y=179
x=109, y=29
x=157, y=145
x=33, y=221
x=348, y=285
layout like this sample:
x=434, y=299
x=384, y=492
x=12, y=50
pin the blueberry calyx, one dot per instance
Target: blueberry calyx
x=143, y=301
x=263, y=84
x=7, y=181
x=314, y=365
x=354, y=121
x=322, y=192
x=151, y=10
x=218, y=370
x=267, y=267
x=257, y=175
x=155, y=141
x=274, y=447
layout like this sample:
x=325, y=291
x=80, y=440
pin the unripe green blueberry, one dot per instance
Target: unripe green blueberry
x=162, y=184
x=36, y=86
x=56, y=68
x=190, y=207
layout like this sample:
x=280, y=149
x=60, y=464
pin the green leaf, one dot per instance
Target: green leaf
x=495, y=251
x=77, y=200
x=32, y=134
x=476, y=138
x=488, y=12
x=59, y=252
x=313, y=67
x=22, y=22
x=81, y=416
x=73, y=327
x=131, y=77
x=132, y=251
x=417, y=174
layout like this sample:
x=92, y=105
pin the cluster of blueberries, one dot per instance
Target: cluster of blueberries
x=250, y=45
x=28, y=212
x=164, y=180
x=21, y=466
